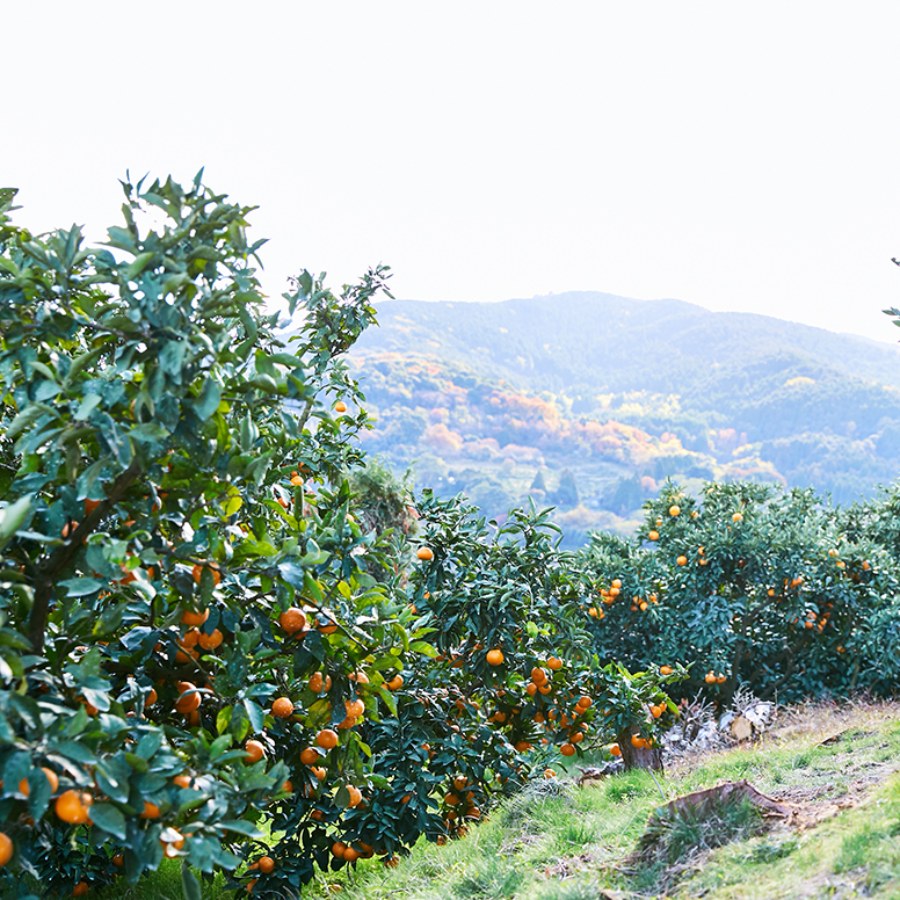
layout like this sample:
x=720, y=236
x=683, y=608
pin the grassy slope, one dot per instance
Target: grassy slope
x=844, y=841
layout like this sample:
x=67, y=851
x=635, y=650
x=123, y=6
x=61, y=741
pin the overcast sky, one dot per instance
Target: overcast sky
x=739, y=156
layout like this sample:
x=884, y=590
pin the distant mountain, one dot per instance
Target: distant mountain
x=587, y=401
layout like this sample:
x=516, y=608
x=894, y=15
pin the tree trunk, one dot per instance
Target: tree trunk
x=639, y=757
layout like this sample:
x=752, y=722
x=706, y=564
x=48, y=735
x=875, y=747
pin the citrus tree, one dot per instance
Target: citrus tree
x=748, y=584
x=210, y=649
x=178, y=555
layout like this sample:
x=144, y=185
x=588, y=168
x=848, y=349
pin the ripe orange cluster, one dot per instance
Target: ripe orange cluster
x=609, y=596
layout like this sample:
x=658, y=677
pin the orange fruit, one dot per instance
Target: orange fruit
x=395, y=683
x=282, y=707
x=338, y=849
x=255, y=751
x=538, y=675
x=187, y=702
x=585, y=702
x=197, y=572
x=90, y=505
x=327, y=624
x=531, y=688
x=151, y=698
x=495, y=657
x=190, y=639
x=309, y=756
x=288, y=786
x=190, y=617
x=549, y=773
x=150, y=811
x=319, y=773
x=615, y=750
x=577, y=738
x=681, y=561
x=355, y=708
x=292, y=620
x=212, y=640
x=340, y=406
x=737, y=517
x=426, y=554
x=567, y=749
x=710, y=677
x=327, y=739
x=80, y=889
x=72, y=806
x=359, y=677
x=554, y=663
x=523, y=746
x=25, y=787
x=355, y=796
x=7, y=848
x=182, y=781
x=674, y=511
x=318, y=683
x=266, y=865
x=653, y=536
x=118, y=860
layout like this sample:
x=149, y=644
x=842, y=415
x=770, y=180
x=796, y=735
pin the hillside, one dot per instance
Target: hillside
x=588, y=401
x=834, y=769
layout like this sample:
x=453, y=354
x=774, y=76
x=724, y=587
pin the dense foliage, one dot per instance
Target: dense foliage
x=211, y=648
x=753, y=585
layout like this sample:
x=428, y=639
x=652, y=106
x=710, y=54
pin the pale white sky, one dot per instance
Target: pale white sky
x=740, y=156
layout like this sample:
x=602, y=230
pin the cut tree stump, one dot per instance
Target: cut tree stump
x=741, y=728
x=730, y=790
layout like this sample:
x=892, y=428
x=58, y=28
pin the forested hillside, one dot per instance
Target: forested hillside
x=588, y=401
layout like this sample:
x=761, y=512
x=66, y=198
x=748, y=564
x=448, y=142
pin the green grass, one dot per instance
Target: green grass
x=165, y=884
x=571, y=844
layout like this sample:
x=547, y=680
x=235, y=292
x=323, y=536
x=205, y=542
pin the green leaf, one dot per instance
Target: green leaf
x=389, y=700
x=255, y=714
x=190, y=887
x=82, y=587
x=424, y=648
x=14, y=517
x=223, y=719
x=141, y=261
x=87, y=406
x=239, y=826
x=110, y=819
x=138, y=763
x=208, y=401
x=25, y=419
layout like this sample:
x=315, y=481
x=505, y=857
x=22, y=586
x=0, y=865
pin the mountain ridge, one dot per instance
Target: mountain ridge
x=612, y=395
